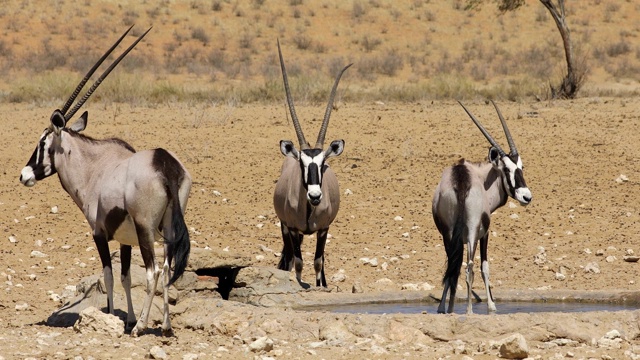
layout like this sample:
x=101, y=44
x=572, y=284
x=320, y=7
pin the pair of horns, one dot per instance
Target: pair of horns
x=512, y=146
x=296, y=124
x=68, y=116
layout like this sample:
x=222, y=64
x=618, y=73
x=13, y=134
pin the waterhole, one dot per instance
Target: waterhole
x=478, y=308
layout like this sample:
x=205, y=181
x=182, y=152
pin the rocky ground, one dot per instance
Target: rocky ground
x=580, y=162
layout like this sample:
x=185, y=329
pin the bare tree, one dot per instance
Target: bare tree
x=576, y=72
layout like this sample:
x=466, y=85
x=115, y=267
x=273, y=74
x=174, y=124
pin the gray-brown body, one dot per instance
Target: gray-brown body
x=291, y=204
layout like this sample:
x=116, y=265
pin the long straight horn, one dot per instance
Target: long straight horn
x=90, y=73
x=104, y=75
x=512, y=145
x=327, y=113
x=296, y=124
x=484, y=131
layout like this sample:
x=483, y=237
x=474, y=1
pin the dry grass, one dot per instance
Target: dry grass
x=407, y=50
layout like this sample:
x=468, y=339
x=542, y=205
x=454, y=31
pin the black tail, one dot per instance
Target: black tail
x=181, y=244
x=455, y=251
x=455, y=248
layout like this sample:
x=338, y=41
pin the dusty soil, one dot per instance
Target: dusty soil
x=573, y=151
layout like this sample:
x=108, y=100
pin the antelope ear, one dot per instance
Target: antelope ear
x=288, y=149
x=58, y=121
x=335, y=149
x=494, y=157
x=81, y=123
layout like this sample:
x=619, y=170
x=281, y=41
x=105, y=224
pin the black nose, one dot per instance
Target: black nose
x=315, y=200
x=527, y=198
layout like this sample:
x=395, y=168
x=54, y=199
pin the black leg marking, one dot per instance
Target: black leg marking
x=319, y=257
x=103, y=250
x=287, y=249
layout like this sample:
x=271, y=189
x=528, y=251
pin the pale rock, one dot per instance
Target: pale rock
x=22, y=307
x=425, y=286
x=592, y=267
x=93, y=320
x=514, y=347
x=587, y=251
x=514, y=216
x=348, y=192
x=599, y=252
x=261, y=344
x=622, y=179
x=157, y=352
x=384, y=266
x=611, y=258
x=356, y=288
x=190, y=356
x=560, y=276
x=12, y=239
x=259, y=257
x=629, y=252
x=411, y=287
x=340, y=276
x=398, y=218
x=36, y=253
x=54, y=209
x=335, y=333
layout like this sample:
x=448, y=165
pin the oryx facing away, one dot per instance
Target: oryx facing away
x=125, y=195
x=307, y=196
x=462, y=205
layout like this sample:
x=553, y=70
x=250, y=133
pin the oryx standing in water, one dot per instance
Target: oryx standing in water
x=125, y=195
x=462, y=205
x=307, y=196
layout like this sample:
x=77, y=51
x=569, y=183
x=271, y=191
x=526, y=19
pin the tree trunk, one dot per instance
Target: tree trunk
x=573, y=80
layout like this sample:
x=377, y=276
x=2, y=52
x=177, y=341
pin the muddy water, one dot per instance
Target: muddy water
x=460, y=308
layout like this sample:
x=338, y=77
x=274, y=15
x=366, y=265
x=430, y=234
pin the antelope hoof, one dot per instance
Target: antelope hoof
x=168, y=332
x=137, y=330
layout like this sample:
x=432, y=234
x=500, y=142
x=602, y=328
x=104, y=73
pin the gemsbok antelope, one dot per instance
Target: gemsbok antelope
x=125, y=195
x=307, y=196
x=462, y=205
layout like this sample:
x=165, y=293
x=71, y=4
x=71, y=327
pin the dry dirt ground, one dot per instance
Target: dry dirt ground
x=581, y=163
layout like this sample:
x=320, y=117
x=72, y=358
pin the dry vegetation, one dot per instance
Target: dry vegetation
x=224, y=50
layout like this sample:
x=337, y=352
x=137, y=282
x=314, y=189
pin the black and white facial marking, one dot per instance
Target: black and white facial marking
x=41, y=163
x=312, y=165
x=513, y=179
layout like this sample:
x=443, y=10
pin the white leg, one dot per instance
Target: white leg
x=166, y=321
x=471, y=247
x=108, y=283
x=485, y=277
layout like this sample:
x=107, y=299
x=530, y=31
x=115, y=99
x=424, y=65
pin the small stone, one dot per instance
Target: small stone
x=631, y=258
x=592, y=267
x=398, y=218
x=217, y=193
x=340, y=276
x=514, y=216
x=157, y=352
x=348, y=192
x=259, y=257
x=12, y=239
x=261, y=344
x=22, y=307
x=611, y=258
x=514, y=347
x=54, y=209
x=560, y=276
x=36, y=253
x=356, y=288
x=622, y=179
